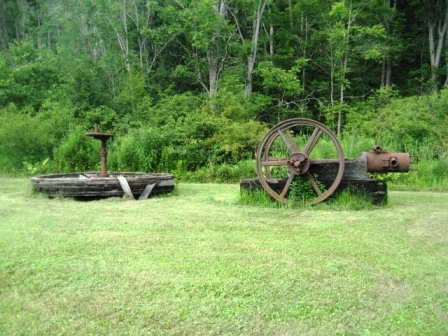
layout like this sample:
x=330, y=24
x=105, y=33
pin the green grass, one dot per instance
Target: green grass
x=302, y=193
x=201, y=263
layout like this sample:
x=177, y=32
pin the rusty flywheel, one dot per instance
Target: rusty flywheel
x=288, y=152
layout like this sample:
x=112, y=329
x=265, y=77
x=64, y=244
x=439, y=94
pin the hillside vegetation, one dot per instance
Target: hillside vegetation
x=190, y=87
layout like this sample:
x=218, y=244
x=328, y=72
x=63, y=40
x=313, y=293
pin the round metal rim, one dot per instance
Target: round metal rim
x=268, y=140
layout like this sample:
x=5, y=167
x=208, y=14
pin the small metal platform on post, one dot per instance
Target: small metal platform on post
x=103, y=137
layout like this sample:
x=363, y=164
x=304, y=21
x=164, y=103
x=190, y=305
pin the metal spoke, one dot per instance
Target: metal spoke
x=290, y=143
x=295, y=147
x=274, y=163
x=313, y=183
x=288, y=183
x=269, y=144
x=312, y=141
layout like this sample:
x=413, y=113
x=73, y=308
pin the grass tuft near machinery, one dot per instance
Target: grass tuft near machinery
x=306, y=150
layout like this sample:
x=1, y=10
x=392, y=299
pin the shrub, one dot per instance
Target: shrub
x=77, y=153
x=31, y=137
x=140, y=150
x=406, y=122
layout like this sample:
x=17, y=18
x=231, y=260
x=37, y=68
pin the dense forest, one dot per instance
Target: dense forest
x=186, y=85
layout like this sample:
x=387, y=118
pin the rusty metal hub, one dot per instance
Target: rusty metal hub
x=298, y=163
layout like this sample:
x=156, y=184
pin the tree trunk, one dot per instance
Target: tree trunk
x=20, y=20
x=4, y=43
x=121, y=31
x=258, y=14
x=386, y=71
x=437, y=29
x=271, y=35
x=213, y=74
x=305, y=28
x=213, y=55
x=446, y=59
x=351, y=17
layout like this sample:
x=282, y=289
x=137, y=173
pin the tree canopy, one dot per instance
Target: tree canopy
x=122, y=63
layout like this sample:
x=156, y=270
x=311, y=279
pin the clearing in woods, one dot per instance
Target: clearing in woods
x=200, y=262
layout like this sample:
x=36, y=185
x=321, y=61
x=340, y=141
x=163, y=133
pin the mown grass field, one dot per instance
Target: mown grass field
x=200, y=263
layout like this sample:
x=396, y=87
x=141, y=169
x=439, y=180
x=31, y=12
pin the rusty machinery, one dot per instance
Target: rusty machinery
x=103, y=137
x=307, y=149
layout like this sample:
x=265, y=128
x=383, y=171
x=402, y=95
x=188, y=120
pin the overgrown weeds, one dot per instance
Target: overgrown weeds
x=348, y=199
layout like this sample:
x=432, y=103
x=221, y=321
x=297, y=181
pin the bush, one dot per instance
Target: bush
x=77, y=153
x=31, y=137
x=224, y=173
x=406, y=122
x=140, y=150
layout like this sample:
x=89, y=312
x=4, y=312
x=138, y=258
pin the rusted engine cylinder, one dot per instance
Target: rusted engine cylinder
x=384, y=162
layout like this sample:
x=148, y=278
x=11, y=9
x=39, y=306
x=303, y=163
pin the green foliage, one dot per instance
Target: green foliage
x=236, y=141
x=171, y=109
x=166, y=160
x=28, y=138
x=180, y=170
x=102, y=115
x=223, y=173
x=148, y=68
x=372, y=42
x=276, y=80
x=405, y=121
x=431, y=175
x=198, y=136
x=35, y=169
x=229, y=101
x=130, y=92
x=348, y=200
x=354, y=144
x=178, y=132
x=77, y=153
x=89, y=86
x=301, y=190
x=140, y=150
x=28, y=76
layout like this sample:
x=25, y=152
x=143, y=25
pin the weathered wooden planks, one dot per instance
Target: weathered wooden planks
x=88, y=185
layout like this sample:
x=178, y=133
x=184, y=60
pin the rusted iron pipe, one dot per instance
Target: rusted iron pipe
x=384, y=162
x=103, y=137
x=103, y=154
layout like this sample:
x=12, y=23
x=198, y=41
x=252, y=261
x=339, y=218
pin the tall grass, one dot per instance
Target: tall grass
x=347, y=200
x=432, y=168
x=432, y=162
x=224, y=173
